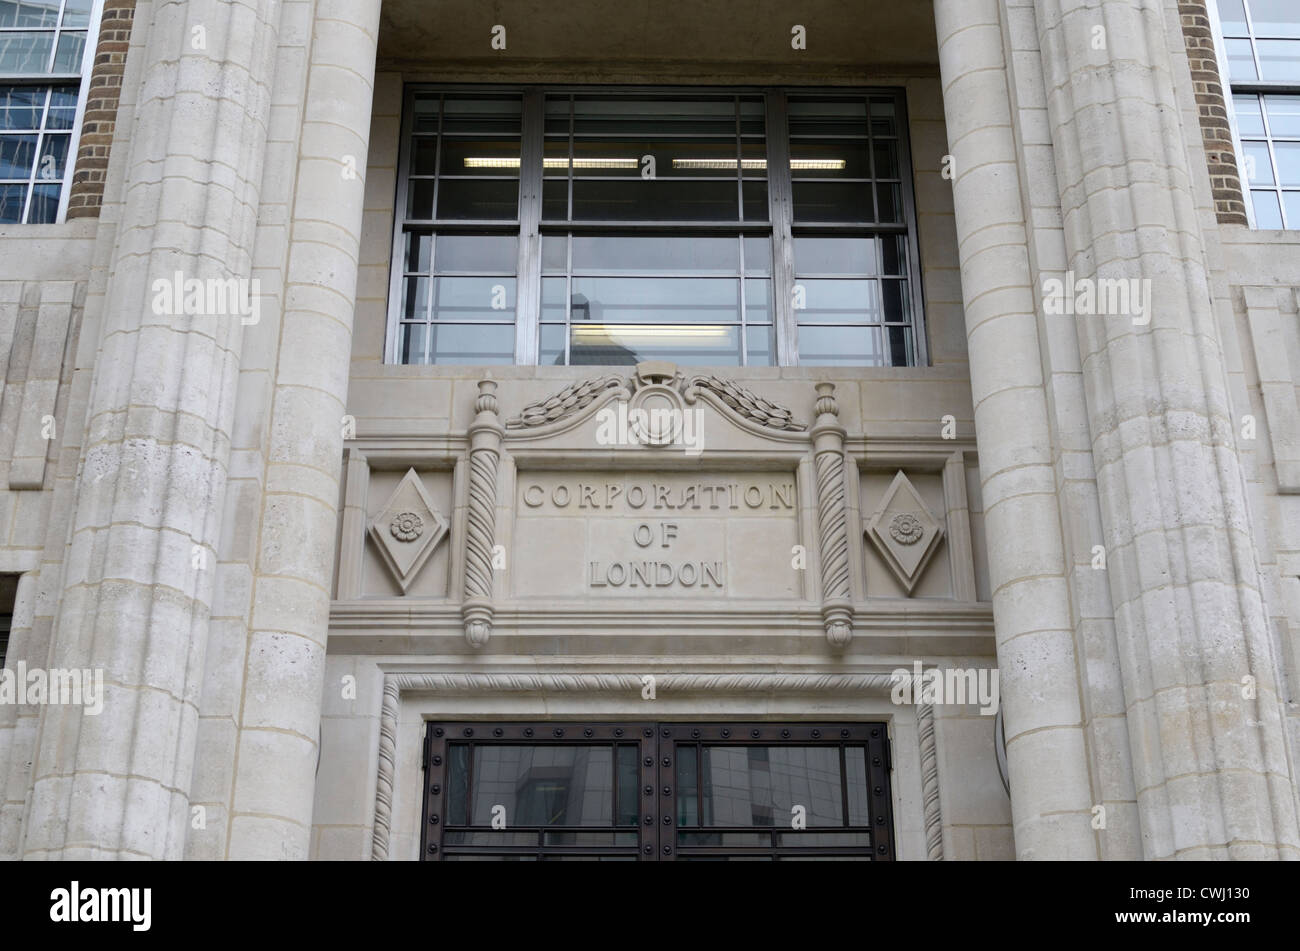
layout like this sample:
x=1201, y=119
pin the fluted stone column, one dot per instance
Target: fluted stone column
x=1209, y=749
x=1047, y=754
x=284, y=663
x=136, y=593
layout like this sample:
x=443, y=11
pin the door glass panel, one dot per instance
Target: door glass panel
x=544, y=785
x=761, y=785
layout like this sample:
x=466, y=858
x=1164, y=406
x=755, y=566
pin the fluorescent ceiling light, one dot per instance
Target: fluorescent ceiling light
x=798, y=165
x=626, y=331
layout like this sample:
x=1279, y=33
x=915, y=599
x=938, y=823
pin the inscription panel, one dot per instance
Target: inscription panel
x=638, y=535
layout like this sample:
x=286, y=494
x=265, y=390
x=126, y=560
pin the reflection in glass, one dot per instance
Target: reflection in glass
x=544, y=785
x=761, y=785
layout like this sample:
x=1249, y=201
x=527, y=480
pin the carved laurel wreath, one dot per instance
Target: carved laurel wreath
x=748, y=404
x=906, y=528
x=564, y=403
x=407, y=526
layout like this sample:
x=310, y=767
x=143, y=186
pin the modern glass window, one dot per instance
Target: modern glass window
x=554, y=791
x=572, y=226
x=1261, y=44
x=44, y=58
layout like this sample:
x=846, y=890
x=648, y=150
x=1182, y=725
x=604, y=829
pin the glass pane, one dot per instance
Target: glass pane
x=591, y=838
x=44, y=209
x=1233, y=15
x=760, y=346
x=412, y=341
x=758, y=301
x=498, y=253
x=1292, y=201
x=835, y=117
x=555, y=201
x=758, y=256
x=424, y=112
x=544, y=785
x=1283, y=115
x=889, y=203
x=762, y=785
x=628, y=344
x=63, y=108
x=739, y=840
x=419, y=199
x=30, y=13
x=554, y=290
x=624, y=158
x=71, y=48
x=755, y=196
x=844, y=202
x=12, y=199
x=893, y=250
x=457, y=786
x=472, y=343
x=25, y=52
x=415, y=298
x=818, y=159
x=424, y=155
x=555, y=253
x=468, y=115
x=886, y=156
x=54, y=156
x=688, y=787
x=20, y=107
x=479, y=157
x=461, y=198
x=601, y=300
x=1249, y=119
x=555, y=158
x=1288, y=162
x=835, y=256
x=489, y=858
x=76, y=13
x=897, y=301
x=418, y=249
x=900, y=346
x=551, y=352
x=812, y=840
x=884, y=117
x=838, y=302
x=601, y=115
x=628, y=791
x=1259, y=167
x=1275, y=17
x=855, y=770
x=499, y=837
x=612, y=255
x=473, y=298
x=1279, y=59
x=655, y=200
x=1241, y=60
x=17, y=153
x=840, y=346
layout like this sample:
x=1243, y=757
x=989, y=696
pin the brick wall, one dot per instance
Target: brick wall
x=101, y=109
x=1216, y=130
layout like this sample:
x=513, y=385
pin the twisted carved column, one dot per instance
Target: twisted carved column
x=832, y=518
x=480, y=529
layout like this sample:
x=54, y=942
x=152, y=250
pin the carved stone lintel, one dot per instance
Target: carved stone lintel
x=480, y=521
x=832, y=518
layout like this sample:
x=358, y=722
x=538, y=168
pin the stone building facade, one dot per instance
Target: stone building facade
x=675, y=529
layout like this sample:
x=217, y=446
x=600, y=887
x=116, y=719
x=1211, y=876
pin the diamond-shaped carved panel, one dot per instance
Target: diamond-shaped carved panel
x=408, y=529
x=904, y=531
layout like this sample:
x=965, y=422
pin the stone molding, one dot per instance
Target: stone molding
x=871, y=684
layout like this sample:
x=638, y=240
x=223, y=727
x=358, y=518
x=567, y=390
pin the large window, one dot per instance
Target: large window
x=728, y=228
x=553, y=791
x=1262, y=50
x=43, y=56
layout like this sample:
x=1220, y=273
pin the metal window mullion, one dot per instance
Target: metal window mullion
x=781, y=212
x=36, y=155
x=907, y=189
x=397, y=269
x=528, y=283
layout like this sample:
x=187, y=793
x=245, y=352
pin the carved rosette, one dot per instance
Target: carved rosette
x=480, y=525
x=832, y=518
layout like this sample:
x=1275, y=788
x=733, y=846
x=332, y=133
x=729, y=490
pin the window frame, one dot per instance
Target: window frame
x=51, y=79
x=527, y=224
x=658, y=744
x=1257, y=88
